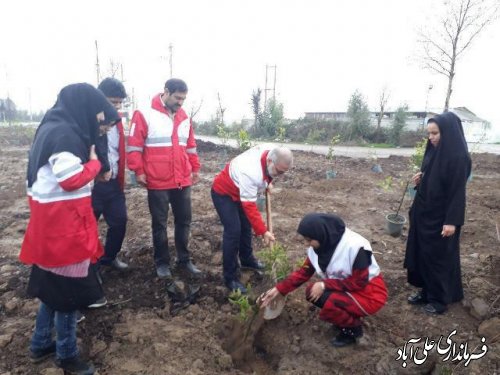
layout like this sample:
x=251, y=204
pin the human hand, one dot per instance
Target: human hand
x=104, y=177
x=316, y=291
x=270, y=188
x=266, y=298
x=268, y=238
x=141, y=180
x=92, y=154
x=195, y=177
x=448, y=230
x=417, y=178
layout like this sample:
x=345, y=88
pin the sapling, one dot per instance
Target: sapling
x=330, y=156
x=243, y=140
x=243, y=303
x=277, y=265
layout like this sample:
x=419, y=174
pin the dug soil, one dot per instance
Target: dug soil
x=140, y=331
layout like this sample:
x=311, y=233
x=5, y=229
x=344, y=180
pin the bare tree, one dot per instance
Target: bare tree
x=114, y=66
x=382, y=102
x=463, y=21
x=220, y=111
x=194, y=110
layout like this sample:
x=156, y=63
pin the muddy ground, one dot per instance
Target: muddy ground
x=137, y=333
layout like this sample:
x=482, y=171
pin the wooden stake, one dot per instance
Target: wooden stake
x=268, y=212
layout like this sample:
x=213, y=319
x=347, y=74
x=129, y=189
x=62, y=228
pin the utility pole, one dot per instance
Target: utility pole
x=266, y=88
x=170, y=58
x=97, y=68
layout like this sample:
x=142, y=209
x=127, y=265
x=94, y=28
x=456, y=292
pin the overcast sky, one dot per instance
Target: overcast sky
x=324, y=50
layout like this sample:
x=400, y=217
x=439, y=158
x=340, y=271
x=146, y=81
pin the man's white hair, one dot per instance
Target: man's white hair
x=281, y=155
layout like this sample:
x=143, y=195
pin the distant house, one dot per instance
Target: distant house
x=474, y=127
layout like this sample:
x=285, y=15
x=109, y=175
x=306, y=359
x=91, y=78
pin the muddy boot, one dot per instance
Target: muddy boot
x=347, y=336
x=75, y=366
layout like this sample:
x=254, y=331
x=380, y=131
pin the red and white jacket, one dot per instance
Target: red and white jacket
x=365, y=286
x=62, y=229
x=163, y=148
x=243, y=179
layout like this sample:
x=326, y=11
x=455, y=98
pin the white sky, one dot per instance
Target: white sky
x=324, y=50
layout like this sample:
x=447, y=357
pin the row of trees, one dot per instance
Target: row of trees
x=10, y=113
x=444, y=41
x=269, y=123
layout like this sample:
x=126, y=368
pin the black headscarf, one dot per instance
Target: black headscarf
x=70, y=125
x=452, y=143
x=327, y=229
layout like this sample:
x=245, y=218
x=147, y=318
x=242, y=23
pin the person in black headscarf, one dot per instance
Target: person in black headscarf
x=436, y=216
x=351, y=285
x=61, y=240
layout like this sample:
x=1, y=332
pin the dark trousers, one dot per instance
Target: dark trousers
x=237, y=235
x=180, y=200
x=108, y=200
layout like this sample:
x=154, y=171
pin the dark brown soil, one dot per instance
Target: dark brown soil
x=136, y=333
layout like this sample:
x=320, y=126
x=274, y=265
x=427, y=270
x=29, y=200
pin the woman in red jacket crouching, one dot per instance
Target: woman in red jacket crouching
x=351, y=285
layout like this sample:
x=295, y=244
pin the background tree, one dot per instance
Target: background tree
x=220, y=111
x=358, y=117
x=382, y=103
x=256, y=95
x=398, y=124
x=461, y=22
x=8, y=110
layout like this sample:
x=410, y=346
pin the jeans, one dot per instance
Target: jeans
x=237, y=235
x=180, y=200
x=65, y=326
x=108, y=199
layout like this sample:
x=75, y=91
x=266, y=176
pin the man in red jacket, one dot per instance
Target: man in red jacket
x=234, y=193
x=162, y=153
x=108, y=198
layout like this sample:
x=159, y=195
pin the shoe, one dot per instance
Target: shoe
x=417, y=298
x=117, y=264
x=99, y=303
x=41, y=355
x=435, y=308
x=191, y=268
x=254, y=264
x=347, y=336
x=163, y=271
x=234, y=285
x=75, y=366
x=79, y=316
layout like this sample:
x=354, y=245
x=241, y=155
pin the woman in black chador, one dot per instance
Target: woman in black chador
x=436, y=216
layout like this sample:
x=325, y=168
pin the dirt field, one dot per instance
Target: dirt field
x=136, y=333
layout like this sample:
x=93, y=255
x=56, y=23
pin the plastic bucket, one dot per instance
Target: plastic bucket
x=394, y=224
x=411, y=191
x=132, y=179
x=330, y=175
x=274, y=309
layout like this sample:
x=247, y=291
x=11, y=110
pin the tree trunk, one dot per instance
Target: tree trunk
x=451, y=75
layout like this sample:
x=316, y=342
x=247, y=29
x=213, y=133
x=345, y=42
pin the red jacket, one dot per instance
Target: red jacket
x=242, y=179
x=62, y=229
x=163, y=148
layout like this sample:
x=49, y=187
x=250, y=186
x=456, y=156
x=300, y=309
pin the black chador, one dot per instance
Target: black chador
x=433, y=261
